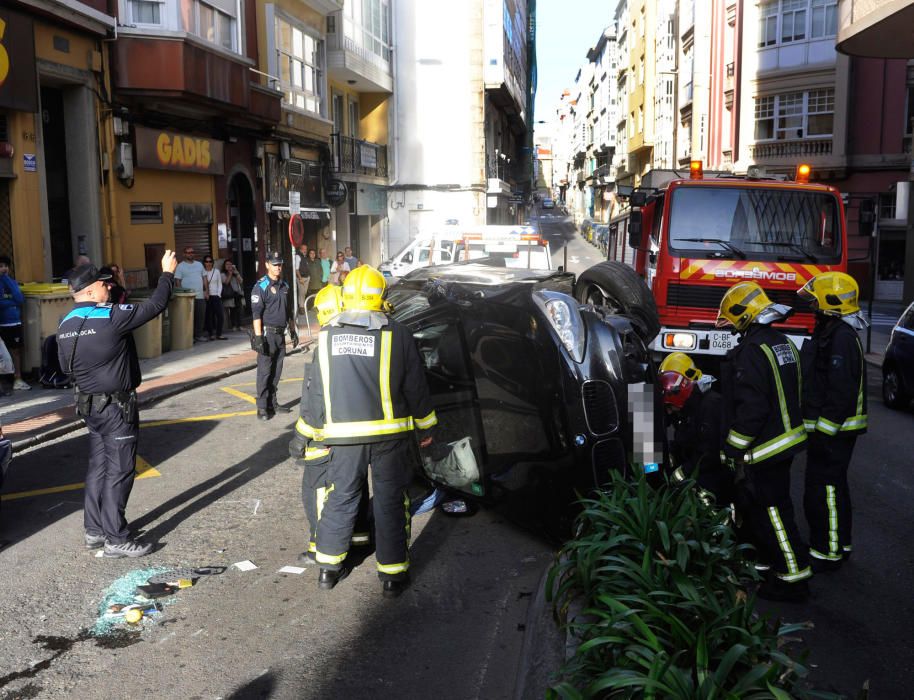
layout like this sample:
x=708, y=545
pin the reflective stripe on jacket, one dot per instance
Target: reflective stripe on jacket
x=762, y=386
x=366, y=386
x=834, y=374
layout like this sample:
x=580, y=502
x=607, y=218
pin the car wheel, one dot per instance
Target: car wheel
x=618, y=288
x=893, y=394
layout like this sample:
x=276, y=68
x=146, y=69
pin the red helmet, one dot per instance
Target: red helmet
x=676, y=389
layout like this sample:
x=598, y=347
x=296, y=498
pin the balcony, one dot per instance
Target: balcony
x=791, y=150
x=201, y=79
x=878, y=28
x=349, y=57
x=356, y=157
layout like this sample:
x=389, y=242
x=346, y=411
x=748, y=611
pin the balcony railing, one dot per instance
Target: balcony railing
x=351, y=155
x=791, y=149
x=351, y=36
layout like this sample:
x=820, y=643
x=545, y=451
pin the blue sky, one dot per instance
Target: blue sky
x=565, y=30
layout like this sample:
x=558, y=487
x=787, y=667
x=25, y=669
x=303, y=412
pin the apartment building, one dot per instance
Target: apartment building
x=55, y=176
x=603, y=111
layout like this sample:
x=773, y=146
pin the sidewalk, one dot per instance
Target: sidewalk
x=33, y=417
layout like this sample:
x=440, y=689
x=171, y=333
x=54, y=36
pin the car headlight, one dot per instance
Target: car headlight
x=562, y=313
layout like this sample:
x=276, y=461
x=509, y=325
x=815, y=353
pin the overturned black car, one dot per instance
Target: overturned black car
x=553, y=388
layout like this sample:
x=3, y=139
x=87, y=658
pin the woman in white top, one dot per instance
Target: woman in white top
x=215, y=316
x=339, y=269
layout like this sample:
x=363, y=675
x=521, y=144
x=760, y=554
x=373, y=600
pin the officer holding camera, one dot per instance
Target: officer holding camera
x=95, y=347
x=271, y=307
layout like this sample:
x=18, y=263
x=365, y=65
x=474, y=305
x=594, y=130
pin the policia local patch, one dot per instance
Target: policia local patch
x=352, y=344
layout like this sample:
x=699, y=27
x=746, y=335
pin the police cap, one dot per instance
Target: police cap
x=84, y=275
x=274, y=258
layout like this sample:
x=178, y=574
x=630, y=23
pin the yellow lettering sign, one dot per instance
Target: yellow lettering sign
x=4, y=56
x=163, y=149
x=183, y=151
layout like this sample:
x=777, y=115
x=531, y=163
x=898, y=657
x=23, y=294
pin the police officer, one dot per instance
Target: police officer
x=95, y=347
x=764, y=430
x=271, y=307
x=328, y=303
x=834, y=411
x=694, y=413
x=368, y=393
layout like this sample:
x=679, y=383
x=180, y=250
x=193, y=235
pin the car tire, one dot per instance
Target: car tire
x=893, y=393
x=619, y=288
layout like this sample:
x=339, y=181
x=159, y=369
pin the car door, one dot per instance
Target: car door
x=903, y=341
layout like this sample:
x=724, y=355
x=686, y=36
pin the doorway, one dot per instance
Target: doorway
x=54, y=133
x=242, y=223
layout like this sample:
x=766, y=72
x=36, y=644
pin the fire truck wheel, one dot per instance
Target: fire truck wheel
x=621, y=290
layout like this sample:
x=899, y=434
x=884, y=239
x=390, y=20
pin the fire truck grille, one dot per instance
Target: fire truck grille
x=599, y=407
x=709, y=297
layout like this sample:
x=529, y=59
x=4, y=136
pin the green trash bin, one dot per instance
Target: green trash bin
x=181, y=319
x=148, y=337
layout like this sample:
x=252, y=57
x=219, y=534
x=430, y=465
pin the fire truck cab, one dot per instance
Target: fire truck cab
x=695, y=237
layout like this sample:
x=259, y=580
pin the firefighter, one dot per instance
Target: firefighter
x=764, y=430
x=368, y=394
x=694, y=414
x=315, y=455
x=271, y=309
x=834, y=411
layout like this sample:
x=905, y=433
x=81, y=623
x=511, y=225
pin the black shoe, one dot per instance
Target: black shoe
x=777, y=590
x=328, y=578
x=307, y=558
x=392, y=588
x=263, y=415
x=279, y=408
x=824, y=566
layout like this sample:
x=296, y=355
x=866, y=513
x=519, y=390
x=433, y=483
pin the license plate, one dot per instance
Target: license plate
x=721, y=340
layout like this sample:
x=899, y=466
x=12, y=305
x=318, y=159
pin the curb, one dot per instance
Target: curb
x=543, y=648
x=147, y=400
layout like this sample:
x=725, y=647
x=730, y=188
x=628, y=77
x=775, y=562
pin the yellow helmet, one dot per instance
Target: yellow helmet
x=328, y=302
x=741, y=305
x=680, y=363
x=363, y=289
x=832, y=293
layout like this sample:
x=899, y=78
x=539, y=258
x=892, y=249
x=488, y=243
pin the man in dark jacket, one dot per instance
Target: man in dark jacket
x=764, y=430
x=11, y=301
x=834, y=411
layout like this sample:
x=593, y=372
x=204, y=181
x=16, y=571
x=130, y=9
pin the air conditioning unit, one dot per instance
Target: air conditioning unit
x=124, y=166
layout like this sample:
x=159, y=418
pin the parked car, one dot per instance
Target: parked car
x=548, y=204
x=600, y=234
x=898, y=363
x=552, y=391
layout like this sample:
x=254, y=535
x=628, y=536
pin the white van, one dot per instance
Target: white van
x=424, y=250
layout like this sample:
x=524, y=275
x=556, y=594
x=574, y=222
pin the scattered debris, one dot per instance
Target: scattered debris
x=459, y=507
x=291, y=570
x=245, y=565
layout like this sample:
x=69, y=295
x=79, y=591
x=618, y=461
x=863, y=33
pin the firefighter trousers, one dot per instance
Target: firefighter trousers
x=314, y=492
x=827, y=498
x=391, y=473
x=269, y=370
x=763, y=496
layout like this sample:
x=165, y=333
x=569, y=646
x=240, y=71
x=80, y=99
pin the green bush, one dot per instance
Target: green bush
x=658, y=577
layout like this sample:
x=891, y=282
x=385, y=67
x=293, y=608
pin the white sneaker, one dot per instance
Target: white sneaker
x=20, y=385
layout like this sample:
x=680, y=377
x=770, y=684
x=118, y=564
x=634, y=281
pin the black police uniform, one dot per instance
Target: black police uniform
x=697, y=443
x=95, y=346
x=834, y=411
x=270, y=303
x=761, y=384
x=368, y=394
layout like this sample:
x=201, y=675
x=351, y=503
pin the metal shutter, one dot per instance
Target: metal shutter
x=196, y=236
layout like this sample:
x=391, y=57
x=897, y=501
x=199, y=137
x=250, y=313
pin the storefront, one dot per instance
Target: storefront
x=51, y=193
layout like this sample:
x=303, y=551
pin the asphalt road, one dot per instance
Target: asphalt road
x=221, y=490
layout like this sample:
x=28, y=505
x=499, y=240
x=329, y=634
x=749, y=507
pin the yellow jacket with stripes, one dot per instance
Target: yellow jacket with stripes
x=366, y=385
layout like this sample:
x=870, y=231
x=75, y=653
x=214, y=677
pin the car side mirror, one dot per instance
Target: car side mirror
x=407, y=258
x=634, y=229
x=638, y=199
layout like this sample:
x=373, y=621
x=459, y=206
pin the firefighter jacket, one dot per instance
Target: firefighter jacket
x=762, y=386
x=367, y=385
x=834, y=379
x=696, y=433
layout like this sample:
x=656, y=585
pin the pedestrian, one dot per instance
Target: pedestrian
x=300, y=260
x=693, y=411
x=271, y=306
x=368, y=393
x=78, y=261
x=325, y=266
x=315, y=456
x=834, y=411
x=189, y=275
x=315, y=273
x=232, y=293
x=764, y=430
x=11, y=301
x=215, y=314
x=95, y=347
x=117, y=288
x=339, y=269
x=351, y=260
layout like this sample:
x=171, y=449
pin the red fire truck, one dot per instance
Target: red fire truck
x=691, y=239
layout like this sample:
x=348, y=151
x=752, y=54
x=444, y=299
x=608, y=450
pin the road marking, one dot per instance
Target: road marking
x=195, y=419
x=144, y=470
x=239, y=394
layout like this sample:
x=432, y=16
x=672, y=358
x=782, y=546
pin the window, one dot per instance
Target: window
x=369, y=25
x=764, y=118
x=301, y=67
x=909, y=111
x=212, y=21
x=795, y=115
x=793, y=20
x=768, y=23
x=145, y=11
x=787, y=21
x=824, y=18
x=821, y=112
x=353, y=119
x=641, y=70
x=790, y=116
